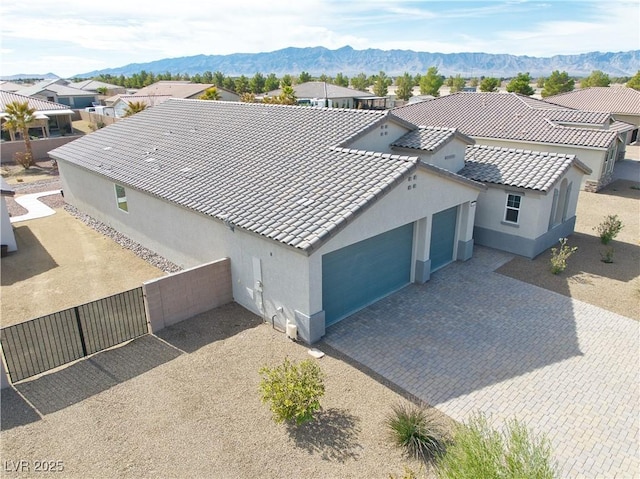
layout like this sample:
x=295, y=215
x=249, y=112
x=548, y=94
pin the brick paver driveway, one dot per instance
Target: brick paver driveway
x=474, y=340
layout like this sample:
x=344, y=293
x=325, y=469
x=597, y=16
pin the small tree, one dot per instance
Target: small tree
x=341, y=80
x=210, y=94
x=521, y=84
x=634, y=82
x=271, y=82
x=294, y=390
x=134, y=107
x=381, y=85
x=609, y=228
x=457, y=83
x=304, y=77
x=404, y=85
x=597, y=78
x=257, y=83
x=489, y=84
x=360, y=82
x=557, y=83
x=431, y=82
x=18, y=117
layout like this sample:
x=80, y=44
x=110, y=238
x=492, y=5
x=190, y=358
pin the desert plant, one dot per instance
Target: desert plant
x=415, y=430
x=480, y=451
x=294, y=390
x=609, y=228
x=407, y=474
x=607, y=255
x=560, y=255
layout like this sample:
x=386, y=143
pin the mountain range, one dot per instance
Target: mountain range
x=346, y=60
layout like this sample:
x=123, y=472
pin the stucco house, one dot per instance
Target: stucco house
x=509, y=120
x=184, y=89
x=120, y=103
x=316, y=212
x=7, y=238
x=97, y=87
x=49, y=116
x=623, y=103
x=58, y=91
x=319, y=93
x=531, y=199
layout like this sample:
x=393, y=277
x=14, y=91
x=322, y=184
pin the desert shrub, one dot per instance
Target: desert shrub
x=407, y=474
x=24, y=159
x=560, y=255
x=294, y=390
x=609, y=228
x=417, y=431
x=480, y=451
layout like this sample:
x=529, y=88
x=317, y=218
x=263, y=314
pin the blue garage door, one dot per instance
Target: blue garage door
x=360, y=274
x=443, y=235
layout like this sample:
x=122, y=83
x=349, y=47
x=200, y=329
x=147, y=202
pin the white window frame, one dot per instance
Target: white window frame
x=121, y=199
x=509, y=208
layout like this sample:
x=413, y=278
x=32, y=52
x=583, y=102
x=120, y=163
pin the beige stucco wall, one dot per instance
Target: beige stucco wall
x=450, y=157
x=380, y=138
x=633, y=119
x=40, y=148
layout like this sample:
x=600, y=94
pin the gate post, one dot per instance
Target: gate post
x=80, y=332
x=4, y=377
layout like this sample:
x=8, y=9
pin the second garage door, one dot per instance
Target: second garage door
x=443, y=235
x=361, y=273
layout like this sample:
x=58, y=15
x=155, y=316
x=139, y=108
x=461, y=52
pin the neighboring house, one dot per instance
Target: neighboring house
x=184, y=89
x=59, y=92
x=94, y=85
x=120, y=103
x=10, y=86
x=510, y=120
x=623, y=104
x=531, y=198
x=50, y=117
x=317, y=213
x=318, y=93
x=8, y=238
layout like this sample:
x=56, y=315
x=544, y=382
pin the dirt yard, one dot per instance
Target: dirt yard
x=61, y=263
x=197, y=413
x=614, y=286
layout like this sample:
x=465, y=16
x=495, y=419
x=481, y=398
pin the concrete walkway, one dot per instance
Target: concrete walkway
x=474, y=340
x=35, y=208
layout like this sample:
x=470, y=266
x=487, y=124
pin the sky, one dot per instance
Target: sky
x=69, y=37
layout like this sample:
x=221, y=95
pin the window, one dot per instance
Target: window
x=513, y=208
x=121, y=198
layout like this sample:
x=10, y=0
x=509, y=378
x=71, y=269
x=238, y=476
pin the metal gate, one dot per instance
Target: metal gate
x=50, y=341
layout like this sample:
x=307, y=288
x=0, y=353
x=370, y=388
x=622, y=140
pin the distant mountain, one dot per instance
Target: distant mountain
x=319, y=60
x=30, y=76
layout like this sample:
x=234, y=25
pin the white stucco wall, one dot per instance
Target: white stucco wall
x=593, y=158
x=535, y=208
x=450, y=157
x=380, y=138
x=189, y=239
x=8, y=237
x=633, y=119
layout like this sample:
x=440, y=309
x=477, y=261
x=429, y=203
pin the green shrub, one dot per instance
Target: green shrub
x=415, y=430
x=478, y=451
x=294, y=390
x=609, y=228
x=560, y=255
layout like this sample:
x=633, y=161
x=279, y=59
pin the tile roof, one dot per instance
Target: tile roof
x=507, y=116
x=149, y=100
x=57, y=88
x=175, y=89
x=429, y=138
x=93, y=85
x=533, y=170
x=36, y=103
x=10, y=86
x=620, y=100
x=316, y=89
x=270, y=169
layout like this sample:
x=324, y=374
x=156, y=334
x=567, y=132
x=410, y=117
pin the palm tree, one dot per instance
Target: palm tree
x=210, y=94
x=135, y=107
x=18, y=117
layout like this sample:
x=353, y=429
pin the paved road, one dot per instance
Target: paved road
x=474, y=340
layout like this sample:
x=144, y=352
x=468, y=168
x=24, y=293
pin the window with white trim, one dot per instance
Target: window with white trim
x=512, y=212
x=121, y=198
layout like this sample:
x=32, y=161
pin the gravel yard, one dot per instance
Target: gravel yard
x=198, y=414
